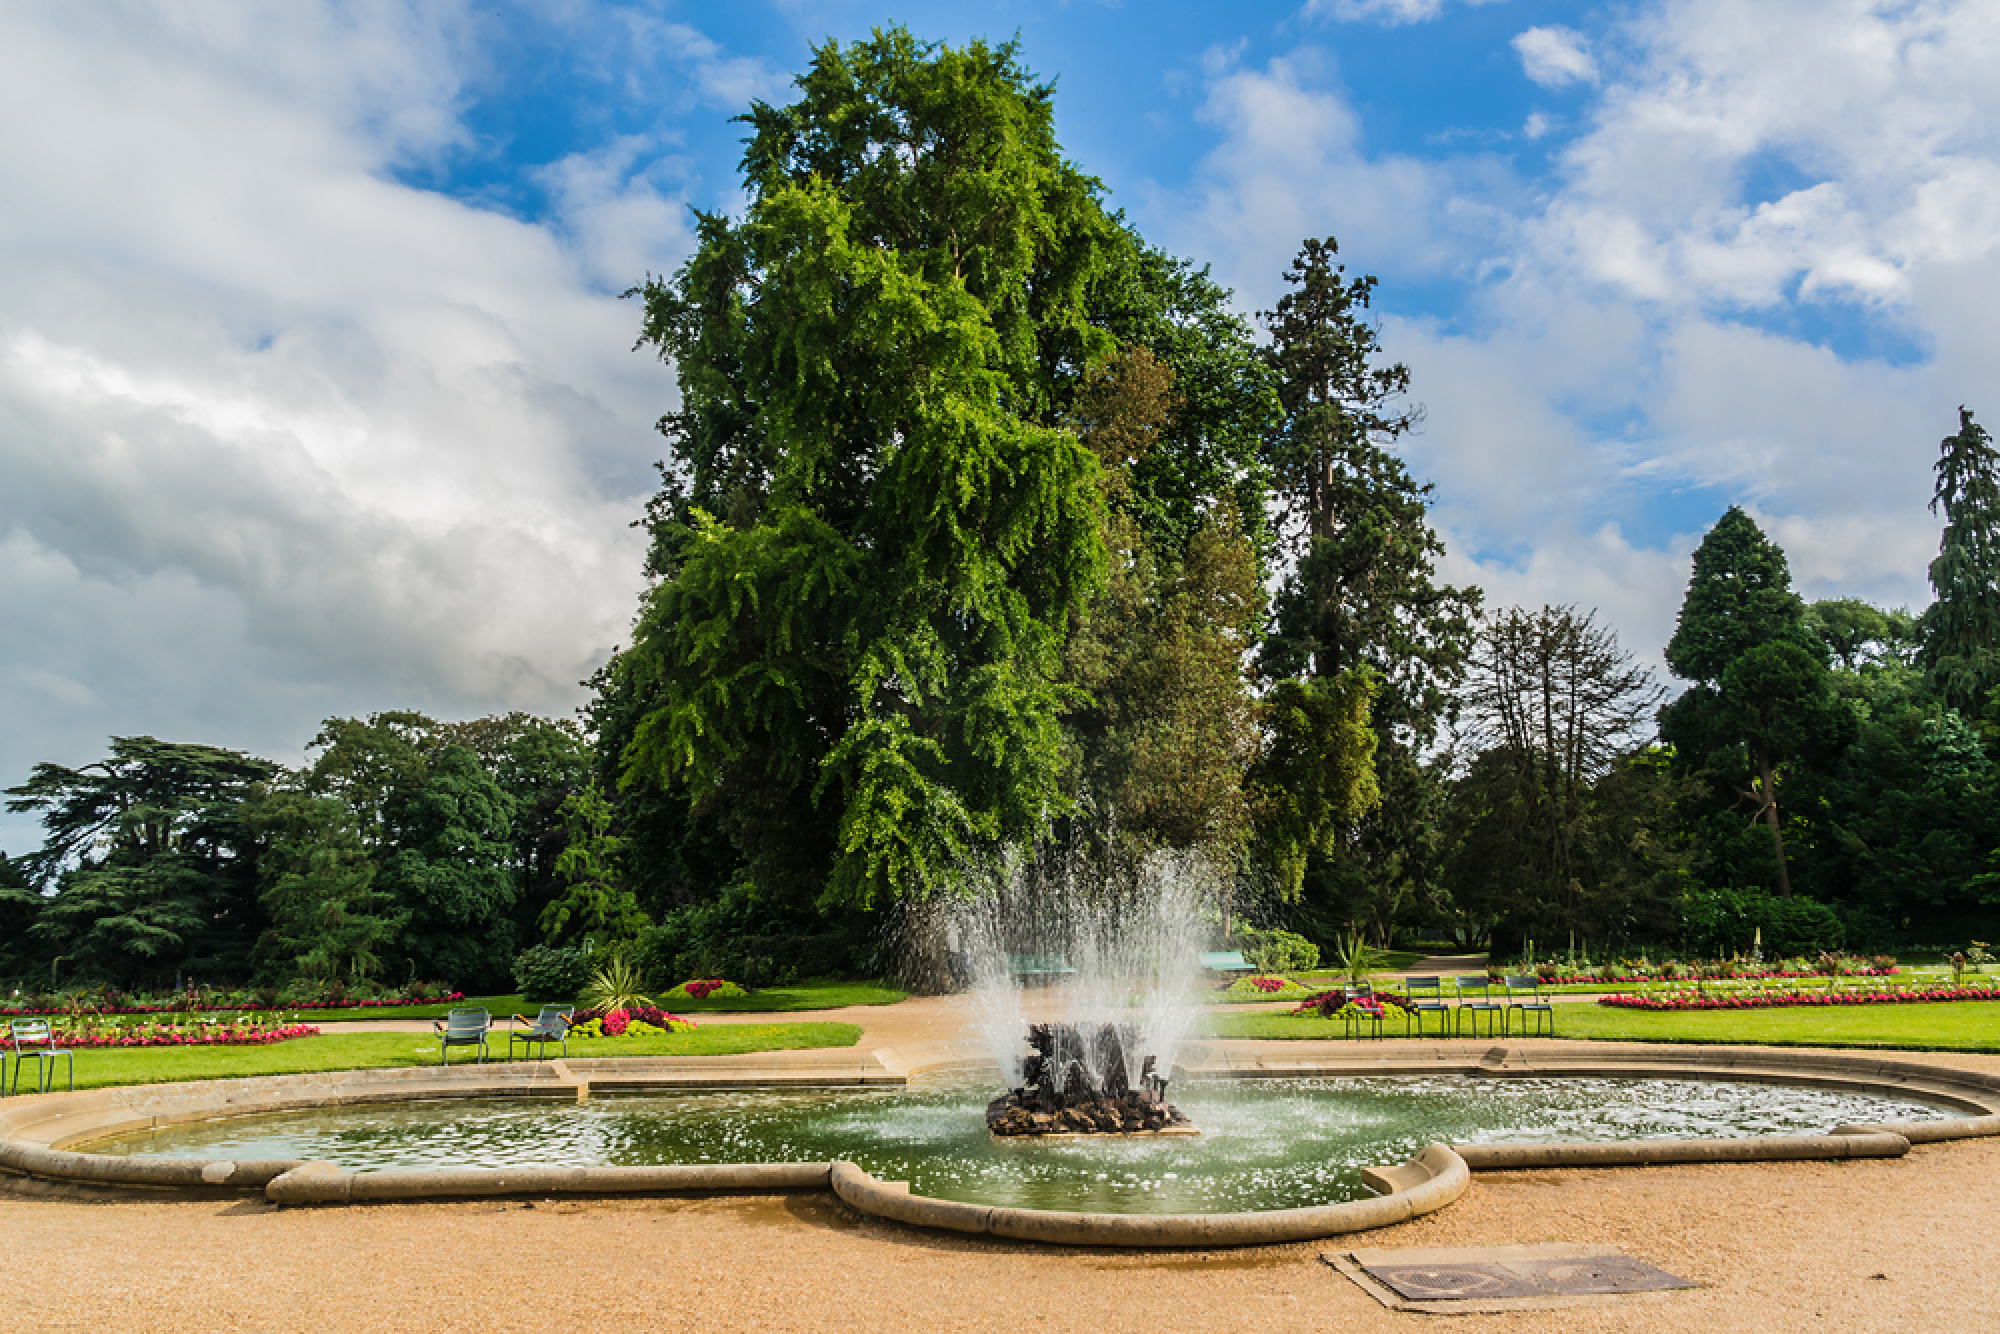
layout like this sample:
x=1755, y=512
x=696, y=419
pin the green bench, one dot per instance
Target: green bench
x=1038, y=967
x=1230, y=961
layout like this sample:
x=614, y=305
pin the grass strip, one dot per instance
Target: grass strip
x=1945, y=1026
x=778, y=1000
x=389, y=1051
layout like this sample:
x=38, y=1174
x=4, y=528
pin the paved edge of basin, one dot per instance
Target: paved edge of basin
x=1428, y=1182
x=38, y=1134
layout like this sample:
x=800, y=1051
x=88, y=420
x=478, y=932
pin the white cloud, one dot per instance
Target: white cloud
x=1761, y=272
x=1555, y=57
x=1385, y=11
x=283, y=437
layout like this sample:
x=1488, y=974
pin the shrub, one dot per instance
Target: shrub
x=1720, y=922
x=545, y=974
x=1277, y=951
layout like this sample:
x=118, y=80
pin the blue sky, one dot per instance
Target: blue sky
x=317, y=397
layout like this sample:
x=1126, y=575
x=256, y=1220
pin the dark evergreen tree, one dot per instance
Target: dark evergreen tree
x=153, y=868
x=1961, y=629
x=1362, y=597
x=1761, y=695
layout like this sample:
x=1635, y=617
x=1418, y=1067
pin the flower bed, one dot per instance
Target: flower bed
x=1331, y=1004
x=1262, y=987
x=633, y=1022
x=26, y=1012
x=197, y=1036
x=716, y=988
x=1780, y=1000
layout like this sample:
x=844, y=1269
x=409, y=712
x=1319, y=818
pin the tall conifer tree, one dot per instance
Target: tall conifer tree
x=1362, y=603
x=1961, y=630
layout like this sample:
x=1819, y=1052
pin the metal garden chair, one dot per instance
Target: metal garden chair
x=33, y=1037
x=551, y=1025
x=1361, y=1010
x=1535, y=1004
x=463, y=1028
x=1425, y=996
x=1475, y=997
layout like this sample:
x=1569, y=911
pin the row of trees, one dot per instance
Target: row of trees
x=985, y=521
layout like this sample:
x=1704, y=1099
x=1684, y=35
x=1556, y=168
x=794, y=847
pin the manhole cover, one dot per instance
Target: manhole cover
x=1599, y=1274
x=1455, y=1282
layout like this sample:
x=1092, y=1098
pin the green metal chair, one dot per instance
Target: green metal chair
x=551, y=1025
x=33, y=1037
x=1535, y=1004
x=1361, y=1010
x=1426, y=996
x=1475, y=997
x=463, y=1028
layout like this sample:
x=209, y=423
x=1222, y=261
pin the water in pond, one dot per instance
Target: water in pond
x=1266, y=1144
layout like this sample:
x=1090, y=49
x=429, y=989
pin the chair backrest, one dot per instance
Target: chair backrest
x=1469, y=985
x=466, y=1023
x=1433, y=985
x=21, y=1032
x=1531, y=985
x=563, y=1012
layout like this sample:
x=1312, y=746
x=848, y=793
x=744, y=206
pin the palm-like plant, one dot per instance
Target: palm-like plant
x=1358, y=958
x=615, y=987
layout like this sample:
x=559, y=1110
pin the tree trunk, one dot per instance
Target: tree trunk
x=1771, y=817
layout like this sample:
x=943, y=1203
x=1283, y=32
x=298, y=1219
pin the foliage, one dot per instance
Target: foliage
x=1961, y=629
x=150, y=861
x=881, y=529
x=596, y=907
x=328, y=919
x=1762, y=696
x=615, y=986
x=1358, y=958
x=1721, y=922
x=1277, y=951
x=1555, y=822
x=547, y=973
x=1316, y=776
x=1264, y=987
x=1361, y=601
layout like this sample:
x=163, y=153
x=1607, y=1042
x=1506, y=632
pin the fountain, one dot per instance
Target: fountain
x=1075, y=1084
x=1119, y=956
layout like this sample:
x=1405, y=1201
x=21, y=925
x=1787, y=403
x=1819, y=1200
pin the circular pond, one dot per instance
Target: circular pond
x=1265, y=1144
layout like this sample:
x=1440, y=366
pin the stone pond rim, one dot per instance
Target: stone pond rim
x=38, y=1134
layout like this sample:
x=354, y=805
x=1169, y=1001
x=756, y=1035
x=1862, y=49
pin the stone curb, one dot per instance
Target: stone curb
x=326, y=1183
x=1428, y=1182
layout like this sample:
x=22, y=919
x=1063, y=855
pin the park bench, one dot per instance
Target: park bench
x=1038, y=967
x=1230, y=961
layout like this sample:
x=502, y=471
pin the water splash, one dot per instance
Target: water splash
x=1049, y=935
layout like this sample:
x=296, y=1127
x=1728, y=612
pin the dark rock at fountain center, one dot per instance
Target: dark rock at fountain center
x=1077, y=1083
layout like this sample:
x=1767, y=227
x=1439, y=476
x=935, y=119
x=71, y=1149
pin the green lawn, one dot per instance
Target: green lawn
x=772, y=1000
x=381, y=1051
x=804, y=996
x=1950, y=1026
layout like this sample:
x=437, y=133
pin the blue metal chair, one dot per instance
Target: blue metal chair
x=1475, y=997
x=463, y=1028
x=551, y=1025
x=1426, y=996
x=1535, y=1004
x=33, y=1037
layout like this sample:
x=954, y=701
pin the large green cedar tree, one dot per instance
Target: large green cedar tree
x=878, y=527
